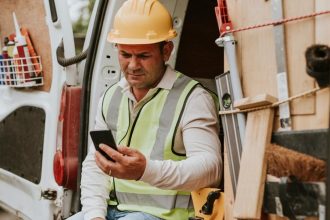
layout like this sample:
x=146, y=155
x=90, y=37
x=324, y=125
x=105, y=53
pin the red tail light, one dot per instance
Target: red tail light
x=65, y=165
x=58, y=167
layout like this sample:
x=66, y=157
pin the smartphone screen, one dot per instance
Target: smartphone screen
x=103, y=137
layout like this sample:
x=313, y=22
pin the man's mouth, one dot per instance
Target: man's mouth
x=135, y=74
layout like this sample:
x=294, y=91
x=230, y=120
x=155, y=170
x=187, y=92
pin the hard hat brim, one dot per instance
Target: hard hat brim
x=121, y=40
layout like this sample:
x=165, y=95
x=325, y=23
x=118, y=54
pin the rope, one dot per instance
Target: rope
x=276, y=22
x=235, y=111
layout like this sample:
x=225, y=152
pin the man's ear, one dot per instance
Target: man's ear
x=167, y=50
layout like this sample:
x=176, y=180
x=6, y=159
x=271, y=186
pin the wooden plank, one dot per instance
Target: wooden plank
x=322, y=36
x=253, y=102
x=318, y=121
x=321, y=31
x=229, y=194
x=257, y=49
x=299, y=36
x=252, y=173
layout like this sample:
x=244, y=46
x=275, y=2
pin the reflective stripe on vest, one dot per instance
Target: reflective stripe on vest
x=159, y=118
x=167, y=117
x=112, y=119
x=166, y=202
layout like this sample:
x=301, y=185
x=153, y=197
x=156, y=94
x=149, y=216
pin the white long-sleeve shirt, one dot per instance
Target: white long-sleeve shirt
x=197, y=137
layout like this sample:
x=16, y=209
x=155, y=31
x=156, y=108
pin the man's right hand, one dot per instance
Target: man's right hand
x=98, y=218
x=129, y=163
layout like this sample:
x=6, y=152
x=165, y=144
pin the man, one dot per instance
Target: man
x=165, y=124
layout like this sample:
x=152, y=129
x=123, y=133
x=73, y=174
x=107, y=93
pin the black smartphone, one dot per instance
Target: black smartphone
x=103, y=137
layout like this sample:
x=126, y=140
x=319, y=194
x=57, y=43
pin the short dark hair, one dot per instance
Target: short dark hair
x=161, y=45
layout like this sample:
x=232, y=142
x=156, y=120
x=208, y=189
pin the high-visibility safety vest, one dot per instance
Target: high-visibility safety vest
x=152, y=133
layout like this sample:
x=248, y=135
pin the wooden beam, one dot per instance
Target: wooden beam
x=229, y=193
x=252, y=175
x=257, y=101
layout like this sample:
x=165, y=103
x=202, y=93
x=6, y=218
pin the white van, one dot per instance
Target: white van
x=45, y=121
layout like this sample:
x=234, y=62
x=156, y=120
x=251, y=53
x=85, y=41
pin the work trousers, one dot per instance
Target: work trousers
x=114, y=214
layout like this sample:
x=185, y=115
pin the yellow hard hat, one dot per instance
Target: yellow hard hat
x=141, y=22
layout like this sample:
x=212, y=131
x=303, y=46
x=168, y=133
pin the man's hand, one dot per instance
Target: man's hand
x=129, y=163
x=98, y=218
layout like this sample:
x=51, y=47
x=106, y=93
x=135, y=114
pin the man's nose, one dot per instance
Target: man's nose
x=134, y=63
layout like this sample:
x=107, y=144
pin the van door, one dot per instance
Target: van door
x=31, y=127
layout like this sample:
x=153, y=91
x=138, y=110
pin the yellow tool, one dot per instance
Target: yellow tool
x=209, y=204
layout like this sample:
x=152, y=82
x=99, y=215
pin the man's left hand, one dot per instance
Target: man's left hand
x=129, y=163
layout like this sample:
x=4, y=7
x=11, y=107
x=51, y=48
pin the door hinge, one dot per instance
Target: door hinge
x=49, y=194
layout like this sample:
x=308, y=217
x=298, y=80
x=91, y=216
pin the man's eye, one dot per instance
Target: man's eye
x=126, y=55
x=143, y=56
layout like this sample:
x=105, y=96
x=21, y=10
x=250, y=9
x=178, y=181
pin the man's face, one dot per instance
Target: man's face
x=144, y=64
